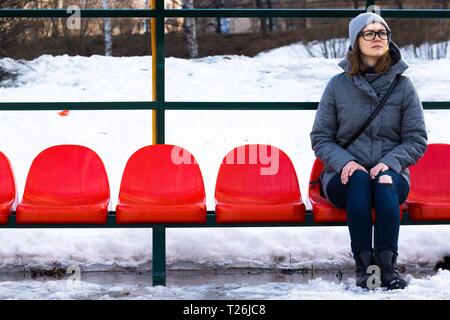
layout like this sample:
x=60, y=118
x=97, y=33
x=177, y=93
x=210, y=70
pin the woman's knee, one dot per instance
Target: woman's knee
x=386, y=177
x=359, y=178
x=359, y=190
x=387, y=180
x=391, y=182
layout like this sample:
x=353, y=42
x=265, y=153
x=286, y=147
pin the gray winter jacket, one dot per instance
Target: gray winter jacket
x=397, y=136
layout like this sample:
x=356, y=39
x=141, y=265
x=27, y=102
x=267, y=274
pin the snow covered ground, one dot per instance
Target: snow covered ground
x=229, y=288
x=284, y=74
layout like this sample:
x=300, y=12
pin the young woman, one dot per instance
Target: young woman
x=372, y=171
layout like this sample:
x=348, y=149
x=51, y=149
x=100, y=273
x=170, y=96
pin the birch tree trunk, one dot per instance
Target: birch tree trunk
x=191, y=31
x=107, y=31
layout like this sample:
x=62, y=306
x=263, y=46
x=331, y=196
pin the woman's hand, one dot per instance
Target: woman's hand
x=380, y=167
x=348, y=170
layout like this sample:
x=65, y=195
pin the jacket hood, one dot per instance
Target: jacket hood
x=373, y=84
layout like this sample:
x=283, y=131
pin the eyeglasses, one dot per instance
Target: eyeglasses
x=370, y=35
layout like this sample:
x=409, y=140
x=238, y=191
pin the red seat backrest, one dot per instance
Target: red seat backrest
x=7, y=181
x=430, y=176
x=257, y=174
x=162, y=174
x=314, y=191
x=66, y=175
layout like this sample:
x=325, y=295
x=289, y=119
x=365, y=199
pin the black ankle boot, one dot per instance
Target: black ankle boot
x=390, y=278
x=363, y=260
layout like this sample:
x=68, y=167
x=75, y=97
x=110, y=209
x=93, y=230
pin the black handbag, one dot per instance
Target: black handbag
x=360, y=130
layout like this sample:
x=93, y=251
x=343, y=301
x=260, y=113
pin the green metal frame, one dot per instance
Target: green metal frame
x=210, y=223
x=129, y=105
x=160, y=104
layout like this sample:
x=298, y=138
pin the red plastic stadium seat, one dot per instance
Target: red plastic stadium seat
x=65, y=184
x=161, y=184
x=7, y=189
x=258, y=183
x=323, y=210
x=429, y=197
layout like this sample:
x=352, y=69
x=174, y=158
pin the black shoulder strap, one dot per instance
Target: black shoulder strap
x=374, y=113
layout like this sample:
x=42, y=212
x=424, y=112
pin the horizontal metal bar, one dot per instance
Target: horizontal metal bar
x=210, y=223
x=416, y=13
x=41, y=106
x=305, y=13
x=436, y=105
x=257, y=13
x=84, y=13
x=241, y=105
x=428, y=105
x=148, y=105
x=232, y=13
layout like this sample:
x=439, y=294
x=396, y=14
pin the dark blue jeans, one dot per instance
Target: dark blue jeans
x=359, y=196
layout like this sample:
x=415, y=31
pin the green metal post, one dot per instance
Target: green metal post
x=370, y=3
x=159, y=256
x=159, y=233
x=160, y=72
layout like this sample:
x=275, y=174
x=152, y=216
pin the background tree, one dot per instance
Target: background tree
x=191, y=31
x=107, y=31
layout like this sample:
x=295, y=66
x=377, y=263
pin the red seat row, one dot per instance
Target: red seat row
x=163, y=184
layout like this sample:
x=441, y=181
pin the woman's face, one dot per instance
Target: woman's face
x=373, y=48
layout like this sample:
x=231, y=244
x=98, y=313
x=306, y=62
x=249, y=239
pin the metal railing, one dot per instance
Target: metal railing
x=159, y=105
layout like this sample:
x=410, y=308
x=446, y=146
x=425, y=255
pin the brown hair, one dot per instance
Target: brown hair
x=358, y=67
